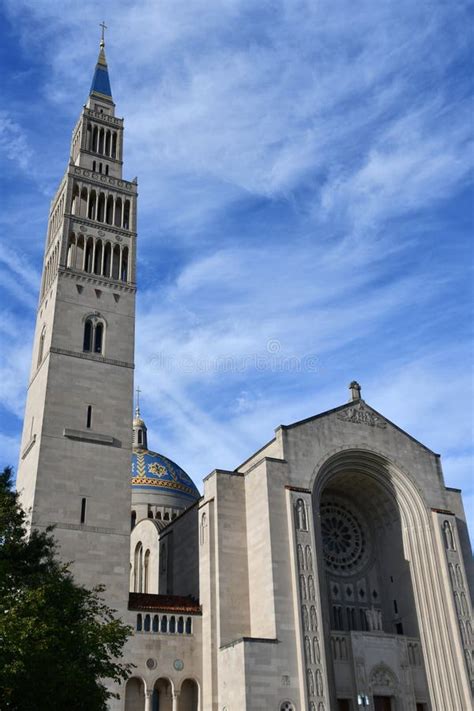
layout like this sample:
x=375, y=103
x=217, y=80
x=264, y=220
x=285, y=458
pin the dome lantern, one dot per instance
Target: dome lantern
x=139, y=427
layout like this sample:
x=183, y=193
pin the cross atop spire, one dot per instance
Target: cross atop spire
x=104, y=27
x=137, y=408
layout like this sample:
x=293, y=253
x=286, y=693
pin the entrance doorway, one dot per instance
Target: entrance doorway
x=382, y=703
x=344, y=705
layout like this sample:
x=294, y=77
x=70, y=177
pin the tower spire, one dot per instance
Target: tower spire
x=100, y=82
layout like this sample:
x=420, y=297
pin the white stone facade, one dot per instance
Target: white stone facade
x=330, y=571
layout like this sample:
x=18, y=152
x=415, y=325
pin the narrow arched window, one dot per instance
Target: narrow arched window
x=146, y=626
x=109, y=213
x=124, y=270
x=138, y=568
x=93, y=165
x=92, y=202
x=139, y=623
x=70, y=252
x=101, y=141
x=98, y=257
x=87, y=345
x=114, y=145
x=140, y=437
x=180, y=625
x=155, y=623
x=83, y=203
x=118, y=212
x=41, y=345
x=101, y=208
x=116, y=262
x=164, y=624
x=133, y=520
x=88, y=255
x=95, y=135
x=126, y=215
x=99, y=337
x=172, y=628
x=107, y=259
x=189, y=626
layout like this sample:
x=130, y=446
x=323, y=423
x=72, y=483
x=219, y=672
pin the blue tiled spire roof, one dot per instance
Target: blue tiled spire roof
x=101, y=82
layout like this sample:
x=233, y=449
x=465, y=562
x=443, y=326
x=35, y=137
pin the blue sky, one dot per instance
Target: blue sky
x=305, y=210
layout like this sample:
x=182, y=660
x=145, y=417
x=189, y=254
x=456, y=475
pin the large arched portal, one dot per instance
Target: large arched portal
x=367, y=577
x=381, y=576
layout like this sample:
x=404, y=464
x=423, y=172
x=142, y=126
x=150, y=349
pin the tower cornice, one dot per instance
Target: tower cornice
x=125, y=186
x=106, y=119
x=68, y=272
x=101, y=228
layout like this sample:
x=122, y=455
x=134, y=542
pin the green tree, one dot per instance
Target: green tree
x=58, y=640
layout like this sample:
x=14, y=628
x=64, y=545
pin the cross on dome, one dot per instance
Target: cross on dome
x=137, y=407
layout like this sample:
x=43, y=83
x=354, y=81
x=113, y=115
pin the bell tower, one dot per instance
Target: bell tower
x=75, y=457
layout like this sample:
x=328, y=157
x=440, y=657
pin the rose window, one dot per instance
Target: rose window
x=344, y=539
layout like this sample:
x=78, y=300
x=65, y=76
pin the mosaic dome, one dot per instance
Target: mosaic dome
x=152, y=471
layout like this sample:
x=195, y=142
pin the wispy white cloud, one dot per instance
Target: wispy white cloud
x=14, y=144
x=300, y=166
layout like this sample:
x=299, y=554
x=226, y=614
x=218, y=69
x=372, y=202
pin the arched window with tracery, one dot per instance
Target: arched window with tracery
x=94, y=335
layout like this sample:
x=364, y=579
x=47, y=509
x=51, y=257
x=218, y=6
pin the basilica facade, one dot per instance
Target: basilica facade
x=329, y=572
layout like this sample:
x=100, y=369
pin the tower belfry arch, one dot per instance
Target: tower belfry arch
x=76, y=447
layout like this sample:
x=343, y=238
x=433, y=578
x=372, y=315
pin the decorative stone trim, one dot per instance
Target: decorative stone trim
x=307, y=584
x=28, y=447
x=255, y=640
x=104, y=118
x=84, y=436
x=92, y=176
x=361, y=415
x=99, y=225
x=87, y=278
x=446, y=521
x=91, y=356
x=85, y=527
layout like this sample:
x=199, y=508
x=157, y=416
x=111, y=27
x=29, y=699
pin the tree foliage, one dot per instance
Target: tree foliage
x=58, y=640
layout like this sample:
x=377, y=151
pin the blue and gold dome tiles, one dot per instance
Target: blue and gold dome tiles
x=153, y=471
